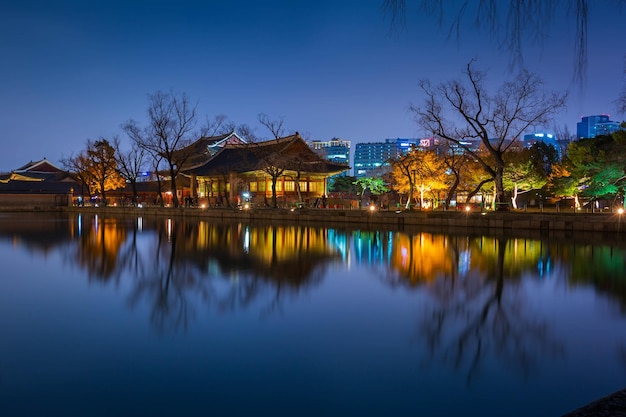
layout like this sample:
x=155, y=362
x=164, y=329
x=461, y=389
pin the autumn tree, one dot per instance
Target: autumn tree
x=102, y=169
x=420, y=171
x=561, y=182
x=77, y=166
x=171, y=120
x=465, y=113
x=456, y=163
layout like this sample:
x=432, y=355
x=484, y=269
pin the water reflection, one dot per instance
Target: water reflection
x=169, y=257
x=467, y=305
x=478, y=312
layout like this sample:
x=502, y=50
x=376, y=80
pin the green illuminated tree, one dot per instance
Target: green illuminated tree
x=593, y=168
x=375, y=185
x=522, y=174
x=344, y=184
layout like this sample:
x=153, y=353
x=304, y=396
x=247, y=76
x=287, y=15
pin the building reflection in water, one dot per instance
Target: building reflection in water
x=177, y=258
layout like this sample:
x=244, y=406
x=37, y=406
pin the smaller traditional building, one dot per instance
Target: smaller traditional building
x=37, y=184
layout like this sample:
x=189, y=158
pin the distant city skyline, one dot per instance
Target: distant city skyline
x=75, y=70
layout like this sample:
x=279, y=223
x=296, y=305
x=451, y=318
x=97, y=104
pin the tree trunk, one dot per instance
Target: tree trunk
x=452, y=190
x=298, y=190
x=175, y=201
x=514, y=196
x=133, y=184
x=274, y=200
x=102, y=192
x=500, y=198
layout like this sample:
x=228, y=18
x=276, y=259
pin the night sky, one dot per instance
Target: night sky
x=76, y=70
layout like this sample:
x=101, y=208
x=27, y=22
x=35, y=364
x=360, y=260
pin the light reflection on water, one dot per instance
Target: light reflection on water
x=126, y=316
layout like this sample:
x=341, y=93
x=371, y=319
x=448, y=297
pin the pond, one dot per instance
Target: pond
x=127, y=316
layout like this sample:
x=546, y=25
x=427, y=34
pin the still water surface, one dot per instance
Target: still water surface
x=162, y=317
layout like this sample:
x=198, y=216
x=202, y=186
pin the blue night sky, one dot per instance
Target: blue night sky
x=76, y=70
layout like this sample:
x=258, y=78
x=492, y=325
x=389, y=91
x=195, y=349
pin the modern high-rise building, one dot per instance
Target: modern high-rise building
x=592, y=126
x=548, y=139
x=372, y=156
x=335, y=150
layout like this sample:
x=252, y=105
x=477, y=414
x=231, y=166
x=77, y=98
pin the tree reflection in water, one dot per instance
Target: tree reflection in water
x=178, y=269
x=223, y=266
x=478, y=311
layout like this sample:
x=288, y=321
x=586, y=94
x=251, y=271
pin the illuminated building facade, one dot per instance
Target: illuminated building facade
x=254, y=169
x=335, y=150
x=592, y=126
x=370, y=158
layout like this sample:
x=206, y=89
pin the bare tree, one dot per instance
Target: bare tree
x=130, y=164
x=215, y=126
x=247, y=133
x=563, y=138
x=621, y=101
x=510, y=24
x=156, y=165
x=273, y=165
x=464, y=112
x=275, y=126
x=77, y=166
x=171, y=121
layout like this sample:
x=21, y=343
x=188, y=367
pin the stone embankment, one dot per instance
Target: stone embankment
x=613, y=405
x=499, y=222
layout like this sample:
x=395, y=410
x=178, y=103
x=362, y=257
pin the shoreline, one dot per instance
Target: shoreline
x=557, y=225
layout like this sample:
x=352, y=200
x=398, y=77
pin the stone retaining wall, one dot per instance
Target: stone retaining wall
x=501, y=221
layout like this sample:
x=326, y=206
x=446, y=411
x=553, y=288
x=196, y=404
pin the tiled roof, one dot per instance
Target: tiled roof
x=289, y=152
x=39, y=166
x=36, y=182
x=202, y=149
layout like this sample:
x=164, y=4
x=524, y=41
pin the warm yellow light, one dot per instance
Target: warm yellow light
x=620, y=210
x=372, y=207
x=203, y=206
x=467, y=208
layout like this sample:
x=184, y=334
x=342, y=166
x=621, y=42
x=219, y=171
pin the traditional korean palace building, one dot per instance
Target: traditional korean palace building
x=223, y=170
x=39, y=183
